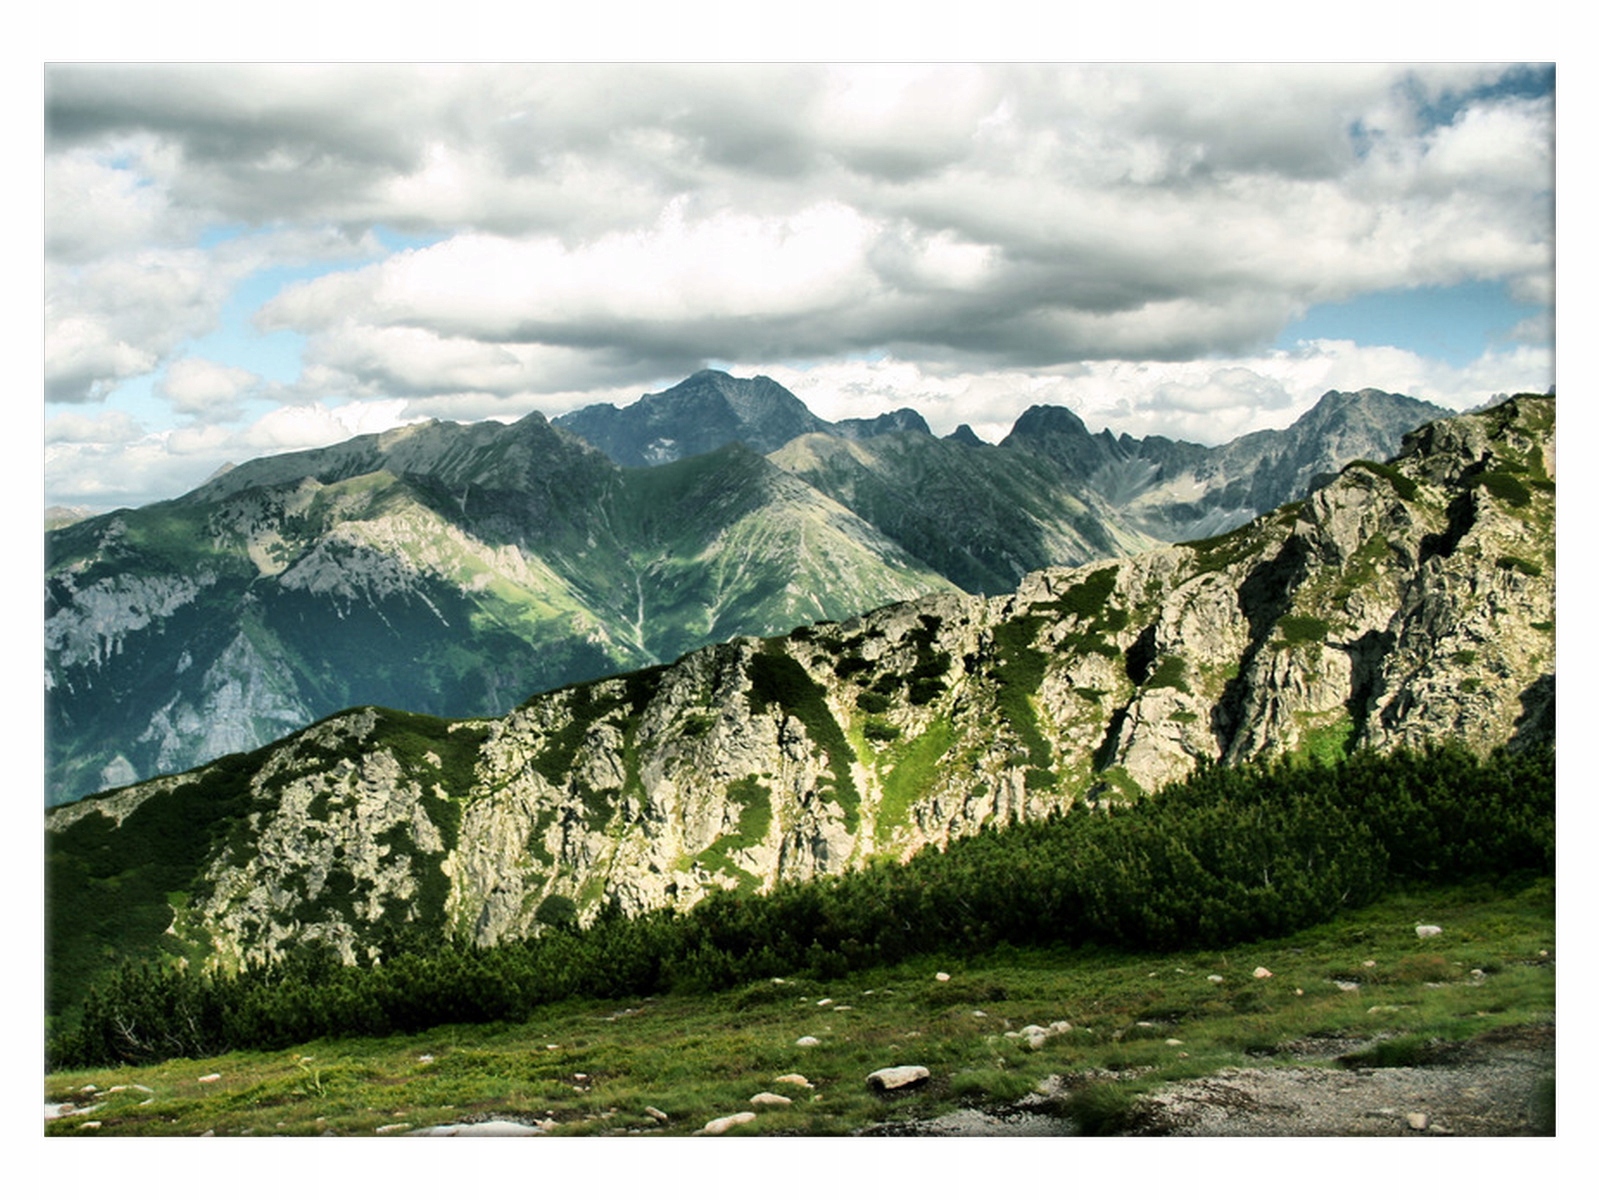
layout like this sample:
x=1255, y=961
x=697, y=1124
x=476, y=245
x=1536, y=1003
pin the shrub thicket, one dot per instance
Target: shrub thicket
x=1227, y=856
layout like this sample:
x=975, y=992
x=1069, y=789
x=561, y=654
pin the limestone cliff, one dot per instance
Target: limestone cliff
x=1401, y=603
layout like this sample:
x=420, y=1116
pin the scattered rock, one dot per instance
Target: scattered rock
x=1371, y=962
x=796, y=1080
x=424, y=1058
x=210, y=1078
x=1428, y=931
x=90, y=1125
x=808, y=1040
x=1174, y=1042
x=1060, y=1026
x=1262, y=973
x=893, y=1079
x=393, y=1128
x=823, y=1003
x=723, y=1124
x=1213, y=978
x=979, y=1013
x=656, y=1114
x=942, y=976
x=1346, y=985
x=771, y=1098
x=1417, y=1120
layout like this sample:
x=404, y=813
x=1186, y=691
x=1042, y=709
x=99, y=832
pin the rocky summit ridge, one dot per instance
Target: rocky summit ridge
x=454, y=569
x=1400, y=603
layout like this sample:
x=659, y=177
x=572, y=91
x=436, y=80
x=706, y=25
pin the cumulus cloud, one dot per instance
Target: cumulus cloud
x=982, y=233
x=200, y=387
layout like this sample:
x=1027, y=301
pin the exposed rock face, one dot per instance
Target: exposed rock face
x=1400, y=604
x=454, y=569
x=1174, y=490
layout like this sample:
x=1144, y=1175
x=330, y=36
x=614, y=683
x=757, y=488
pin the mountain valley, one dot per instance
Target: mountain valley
x=1401, y=603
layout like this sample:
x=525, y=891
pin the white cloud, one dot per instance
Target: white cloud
x=200, y=387
x=995, y=235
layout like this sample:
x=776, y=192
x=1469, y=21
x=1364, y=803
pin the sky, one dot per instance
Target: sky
x=247, y=259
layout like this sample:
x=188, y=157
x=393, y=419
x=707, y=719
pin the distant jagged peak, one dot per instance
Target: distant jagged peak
x=901, y=420
x=965, y=436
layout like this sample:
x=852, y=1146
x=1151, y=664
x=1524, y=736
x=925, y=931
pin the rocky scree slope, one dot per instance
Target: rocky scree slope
x=1400, y=604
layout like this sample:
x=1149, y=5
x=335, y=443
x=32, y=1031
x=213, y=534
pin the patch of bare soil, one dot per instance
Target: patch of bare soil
x=1498, y=1086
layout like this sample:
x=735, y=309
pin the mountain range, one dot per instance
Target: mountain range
x=1399, y=603
x=455, y=569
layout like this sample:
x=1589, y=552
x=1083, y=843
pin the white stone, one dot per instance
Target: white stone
x=723, y=1124
x=771, y=1098
x=808, y=1040
x=889, y=1079
x=210, y=1078
x=1213, y=978
x=796, y=1080
x=942, y=976
x=1428, y=931
x=1417, y=1120
x=1262, y=973
x=656, y=1113
x=485, y=1129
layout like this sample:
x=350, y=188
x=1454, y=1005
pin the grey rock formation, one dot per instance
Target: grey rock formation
x=1400, y=604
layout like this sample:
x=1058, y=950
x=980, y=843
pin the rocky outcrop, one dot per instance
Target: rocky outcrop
x=1400, y=604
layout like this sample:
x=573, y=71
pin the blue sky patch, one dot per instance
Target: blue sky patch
x=1454, y=324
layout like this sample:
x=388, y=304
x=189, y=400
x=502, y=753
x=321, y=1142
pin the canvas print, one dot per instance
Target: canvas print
x=764, y=599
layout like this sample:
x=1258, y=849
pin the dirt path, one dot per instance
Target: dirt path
x=1492, y=1087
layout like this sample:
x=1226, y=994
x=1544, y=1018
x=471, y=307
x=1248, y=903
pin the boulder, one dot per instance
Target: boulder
x=797, y=1080
x=1428, y=931
x=894, y=1079
x=769, y=1098
x=808, y=1040
x=1262, y=973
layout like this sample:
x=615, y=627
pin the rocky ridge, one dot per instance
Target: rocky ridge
x=454, y=569
x=1401, y=603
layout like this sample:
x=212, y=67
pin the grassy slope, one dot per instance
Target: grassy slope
x=594, y=1067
